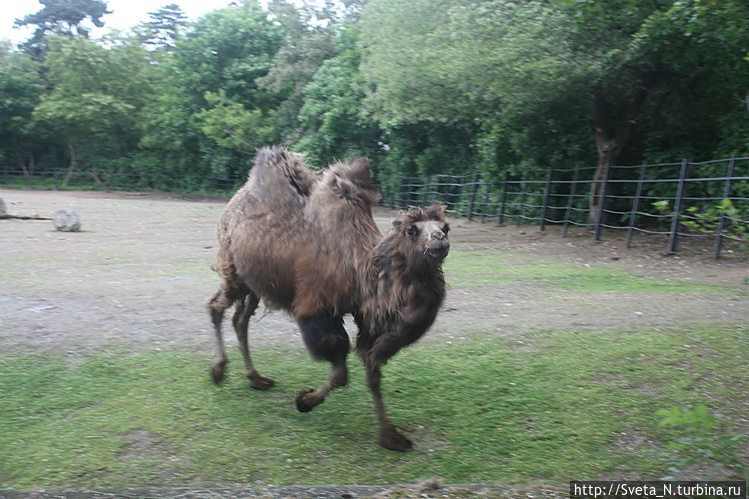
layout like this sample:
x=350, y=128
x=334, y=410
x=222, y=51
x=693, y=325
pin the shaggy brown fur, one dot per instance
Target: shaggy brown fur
x=310, y=246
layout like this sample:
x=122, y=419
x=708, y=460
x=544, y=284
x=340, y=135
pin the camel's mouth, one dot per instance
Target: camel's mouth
x=438, y=252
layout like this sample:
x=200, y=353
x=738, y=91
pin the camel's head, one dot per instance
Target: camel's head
x=424, y=231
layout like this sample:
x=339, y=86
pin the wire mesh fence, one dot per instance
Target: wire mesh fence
x=688, y=199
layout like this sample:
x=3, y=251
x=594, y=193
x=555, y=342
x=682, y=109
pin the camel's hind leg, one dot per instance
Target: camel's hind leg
x=217, y=304
x=325, y=339
x=244, y=310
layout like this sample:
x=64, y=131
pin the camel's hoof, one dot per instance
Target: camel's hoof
x=303, y=404
x=217, y=373
x=261, y=382
x=392, y=439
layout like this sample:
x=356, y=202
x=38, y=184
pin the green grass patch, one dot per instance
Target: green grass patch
x=476, y=269
x=486, y=409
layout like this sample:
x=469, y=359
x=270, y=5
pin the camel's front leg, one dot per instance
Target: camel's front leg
x=325, y=339
x=390, y=438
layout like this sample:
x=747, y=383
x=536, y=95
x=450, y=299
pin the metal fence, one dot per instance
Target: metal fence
x=687, y=199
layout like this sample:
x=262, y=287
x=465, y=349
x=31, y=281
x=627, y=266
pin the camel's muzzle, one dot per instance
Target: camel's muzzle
x=438, y=247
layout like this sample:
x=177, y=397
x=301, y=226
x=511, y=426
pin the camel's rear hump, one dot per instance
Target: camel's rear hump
x=280, y=177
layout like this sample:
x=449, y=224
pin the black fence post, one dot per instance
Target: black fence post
x=485, y=204
x=602, y=207
x=636, y=204
x=410, y=187
x=547, y=194
x=673, y=239
x=570, y=202
x=503, y=200
x=474, y=192
x=722, y=219
x=521, y=202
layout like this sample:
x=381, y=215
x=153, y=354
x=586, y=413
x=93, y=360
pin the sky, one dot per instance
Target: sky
x=125, y=15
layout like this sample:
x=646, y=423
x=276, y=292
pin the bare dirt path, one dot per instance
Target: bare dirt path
x=139, y=273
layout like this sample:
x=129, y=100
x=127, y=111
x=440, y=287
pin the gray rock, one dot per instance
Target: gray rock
x=3, y=211
x=66, y=221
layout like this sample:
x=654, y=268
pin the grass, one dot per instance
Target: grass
x=558, y=407
x=477, y=269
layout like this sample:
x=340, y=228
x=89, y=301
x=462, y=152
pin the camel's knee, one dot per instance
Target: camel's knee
x=218, y=303
x=338, y=376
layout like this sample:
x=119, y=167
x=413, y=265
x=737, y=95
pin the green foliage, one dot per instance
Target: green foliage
x=332, y=119
x=307, y=44
x=234, y=127
x=229, y=49
x=696, y=443
x=662, y=206
x=21, y=87
x=723, y=216
x=698, y=417
x=95, y=111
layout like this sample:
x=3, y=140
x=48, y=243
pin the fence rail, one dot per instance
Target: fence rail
x=688, y=199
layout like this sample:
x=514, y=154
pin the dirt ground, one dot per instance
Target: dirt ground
x=138, y=274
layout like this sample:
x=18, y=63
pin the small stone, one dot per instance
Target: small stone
x=2, y=208
x=66, y=221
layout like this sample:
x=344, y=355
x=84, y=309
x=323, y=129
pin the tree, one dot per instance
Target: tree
x=230, y=49
x=232, y=126
x=165, y=27
x=307, y=44
x=20, y=88
x=97, y=95
x=66, y=17
x=210, y=92
x=332, y=118
x=517, y=67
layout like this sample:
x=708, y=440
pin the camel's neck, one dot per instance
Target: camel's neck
x=405, y=277
x=397, y=297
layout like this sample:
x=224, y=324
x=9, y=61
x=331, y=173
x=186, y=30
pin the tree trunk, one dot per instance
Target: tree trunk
x=71, y=168
x=614, y=120
x=608, y=153
x=27, y=172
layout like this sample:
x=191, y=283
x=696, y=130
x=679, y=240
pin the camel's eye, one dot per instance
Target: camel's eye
x=412, y=231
